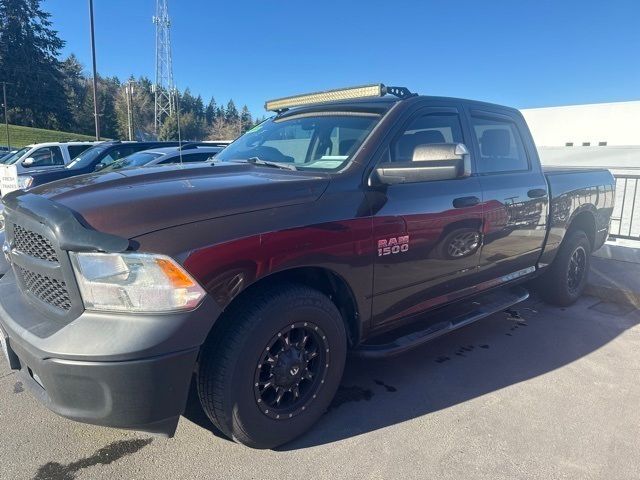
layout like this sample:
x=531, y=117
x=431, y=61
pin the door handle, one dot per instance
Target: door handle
x=463, y=202
x=537, y=193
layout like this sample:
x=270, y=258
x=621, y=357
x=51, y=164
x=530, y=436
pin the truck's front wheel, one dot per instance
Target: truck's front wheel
x=272, y=372
x=566, y=278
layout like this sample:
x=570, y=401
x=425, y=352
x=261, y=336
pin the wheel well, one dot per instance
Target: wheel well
x=324, y=280
x=586, y=222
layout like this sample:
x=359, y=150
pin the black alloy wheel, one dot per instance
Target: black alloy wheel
x=271, y=368
x=292, y=370
x=577, y=268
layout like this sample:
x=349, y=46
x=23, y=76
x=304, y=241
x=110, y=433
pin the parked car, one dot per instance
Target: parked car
x=188, y=153
x=6, y=154
x=366, y=220
x=103, y=154
x=45, y=156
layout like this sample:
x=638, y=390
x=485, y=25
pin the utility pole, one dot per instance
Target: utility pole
x=95, y=75
x=6, y=116
x=128, y=90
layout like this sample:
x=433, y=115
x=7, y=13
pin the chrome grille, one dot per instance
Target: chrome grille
x=33, y=244
x=48, y=290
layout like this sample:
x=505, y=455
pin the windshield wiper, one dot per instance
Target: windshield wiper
x=269, y=163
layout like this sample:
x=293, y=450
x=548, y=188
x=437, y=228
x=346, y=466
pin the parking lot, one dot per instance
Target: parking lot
x=553, y=394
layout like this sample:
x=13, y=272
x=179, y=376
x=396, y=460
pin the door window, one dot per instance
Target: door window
x=116, y=154
x=501, y=147
x=425, y=130
x=47, y=157
x=75, y=150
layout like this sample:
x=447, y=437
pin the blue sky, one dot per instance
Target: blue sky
x=517, y=52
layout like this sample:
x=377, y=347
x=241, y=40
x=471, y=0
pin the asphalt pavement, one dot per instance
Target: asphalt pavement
x=552, y=394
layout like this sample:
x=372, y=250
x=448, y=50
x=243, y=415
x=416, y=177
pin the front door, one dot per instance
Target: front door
x=427, y=234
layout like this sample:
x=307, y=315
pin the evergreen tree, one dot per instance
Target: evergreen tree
x=211, y=112
x=246, y=121
x=187, y=102
x=76, y=89
x=191, y=128
x=231, y=114
x=29, y=50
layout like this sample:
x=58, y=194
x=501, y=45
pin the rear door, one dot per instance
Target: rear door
x=427, y=234
x=515, y=193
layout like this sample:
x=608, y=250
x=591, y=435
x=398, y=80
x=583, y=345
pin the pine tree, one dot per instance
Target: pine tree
x=76, y=89
x=231, y=113
x=211, y=112
x=29, y=50
x=245, y=119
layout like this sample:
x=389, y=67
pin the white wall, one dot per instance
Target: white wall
x=615, y=123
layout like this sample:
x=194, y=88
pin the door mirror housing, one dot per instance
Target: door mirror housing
x=431, y=162
x=99, y=167
x=28, y=162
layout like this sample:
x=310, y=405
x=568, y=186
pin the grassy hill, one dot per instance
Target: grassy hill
x=21, y=136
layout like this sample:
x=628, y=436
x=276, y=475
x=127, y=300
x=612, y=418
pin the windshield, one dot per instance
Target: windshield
x=11, y=159
x=323, y=140
x=134, y=160
x=87, y=157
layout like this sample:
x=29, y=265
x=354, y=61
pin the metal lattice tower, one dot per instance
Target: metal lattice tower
x=163, y=88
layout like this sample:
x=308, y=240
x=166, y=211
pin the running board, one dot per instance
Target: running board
x=477, y=309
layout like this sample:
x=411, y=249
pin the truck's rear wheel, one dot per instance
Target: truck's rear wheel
x=567, y=276
x=273, y=371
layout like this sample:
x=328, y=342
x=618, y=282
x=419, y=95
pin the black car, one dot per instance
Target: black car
x=103, y=154
x=187, y=153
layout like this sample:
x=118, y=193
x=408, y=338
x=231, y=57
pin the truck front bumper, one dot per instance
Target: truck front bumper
x=114, y=370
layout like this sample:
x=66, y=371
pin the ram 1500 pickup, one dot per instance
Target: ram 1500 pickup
x=317, y=234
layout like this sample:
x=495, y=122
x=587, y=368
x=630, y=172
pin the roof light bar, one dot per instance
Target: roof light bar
x=363, y=91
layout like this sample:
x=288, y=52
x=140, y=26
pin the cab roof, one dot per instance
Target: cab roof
x=381, y=105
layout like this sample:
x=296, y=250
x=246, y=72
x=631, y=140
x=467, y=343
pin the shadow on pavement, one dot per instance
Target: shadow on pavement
x=498, y=352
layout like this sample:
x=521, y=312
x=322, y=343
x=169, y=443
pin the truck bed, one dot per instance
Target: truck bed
x=572, y=191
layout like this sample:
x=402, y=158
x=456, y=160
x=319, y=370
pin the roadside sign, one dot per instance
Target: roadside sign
x=8, y=179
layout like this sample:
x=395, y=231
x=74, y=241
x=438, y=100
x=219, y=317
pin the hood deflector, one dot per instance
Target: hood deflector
x=70, y=230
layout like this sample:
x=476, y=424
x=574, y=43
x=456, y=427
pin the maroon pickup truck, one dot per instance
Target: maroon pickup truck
x=347, y=215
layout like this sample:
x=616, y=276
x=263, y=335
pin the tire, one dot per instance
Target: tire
x=237, y=365
x=558, y=285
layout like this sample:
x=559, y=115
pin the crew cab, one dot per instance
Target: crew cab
x=90, y=160
x=45, y=156
x=364, y=221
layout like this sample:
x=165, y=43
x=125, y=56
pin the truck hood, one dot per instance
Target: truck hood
x=129, y=203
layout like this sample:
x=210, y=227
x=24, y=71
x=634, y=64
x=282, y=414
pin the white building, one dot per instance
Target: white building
x=598, y=124
x=592, y=135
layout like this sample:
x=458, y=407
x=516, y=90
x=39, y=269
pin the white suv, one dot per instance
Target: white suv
x=43, y=156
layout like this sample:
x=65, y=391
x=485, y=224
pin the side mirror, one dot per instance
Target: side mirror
x=437, y=161
x=28, y=162
x=99, y=167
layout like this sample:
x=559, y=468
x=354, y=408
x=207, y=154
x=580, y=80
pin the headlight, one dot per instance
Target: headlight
x=24, y=181
x=134, y=282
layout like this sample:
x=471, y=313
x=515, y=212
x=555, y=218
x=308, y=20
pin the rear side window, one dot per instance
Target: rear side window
x=75, y=150
x=501, y=147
